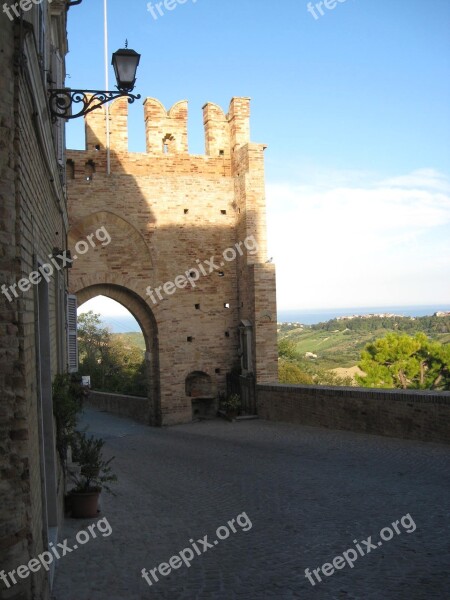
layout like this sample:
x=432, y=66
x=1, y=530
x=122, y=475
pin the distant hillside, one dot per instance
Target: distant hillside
x=338, y=343
x=133, y=338
x=430, y=325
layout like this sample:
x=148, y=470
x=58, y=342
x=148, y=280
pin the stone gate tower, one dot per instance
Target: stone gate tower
x=168, y=213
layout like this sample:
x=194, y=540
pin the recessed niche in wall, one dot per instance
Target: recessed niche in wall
x=70, y=169
x=186, y=210
x=198, y=385
x=223, y=212
x=190, y=338
x=89, y=170
x=221, y=274
x=197, y=307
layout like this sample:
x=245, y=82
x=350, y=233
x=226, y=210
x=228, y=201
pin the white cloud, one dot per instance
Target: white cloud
x=104, y=306
x=427, y=179
x=113, y=315
x=384, y=242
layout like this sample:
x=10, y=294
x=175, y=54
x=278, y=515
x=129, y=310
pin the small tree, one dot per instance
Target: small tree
x=68, y=395
x=289, y=372
x=287, y=349
x=401, y=361
x=95, y=472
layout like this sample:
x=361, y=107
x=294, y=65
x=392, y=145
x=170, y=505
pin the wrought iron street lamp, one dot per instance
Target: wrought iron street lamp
x=125, y=63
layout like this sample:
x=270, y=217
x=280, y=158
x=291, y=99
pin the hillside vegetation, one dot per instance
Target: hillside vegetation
x=134, y=338
x=115, y=363
x=330, y=352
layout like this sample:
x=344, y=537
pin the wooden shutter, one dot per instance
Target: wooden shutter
x=72, y=343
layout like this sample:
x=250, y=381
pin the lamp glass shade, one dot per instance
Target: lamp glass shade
x=125, y=63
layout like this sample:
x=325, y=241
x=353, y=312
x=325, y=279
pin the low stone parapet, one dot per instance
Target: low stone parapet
x=135, y=407
x=416, y=415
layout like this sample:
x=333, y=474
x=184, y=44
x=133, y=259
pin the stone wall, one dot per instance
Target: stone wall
x=168, y=211
x=135, y=407
x=33, y=221
x=404, y=414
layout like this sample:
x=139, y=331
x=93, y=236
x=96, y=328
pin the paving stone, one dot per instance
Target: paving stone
x=308, y=492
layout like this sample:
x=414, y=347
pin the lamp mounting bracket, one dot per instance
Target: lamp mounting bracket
x=63, y=100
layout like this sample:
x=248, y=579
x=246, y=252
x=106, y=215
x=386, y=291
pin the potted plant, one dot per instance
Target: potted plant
x=231, y=406
x=94, y=475
x=68, y=395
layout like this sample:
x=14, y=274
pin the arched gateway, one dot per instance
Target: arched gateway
x=180, y=241
x=144, y=316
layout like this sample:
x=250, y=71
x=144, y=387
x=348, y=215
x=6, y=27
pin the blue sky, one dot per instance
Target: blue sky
x=355, y=109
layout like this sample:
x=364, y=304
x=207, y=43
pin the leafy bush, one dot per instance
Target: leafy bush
x=232, y=403
x=289, y=372
x=95, y=473
x=113, y=364
x=68, y=395
x=287, y=349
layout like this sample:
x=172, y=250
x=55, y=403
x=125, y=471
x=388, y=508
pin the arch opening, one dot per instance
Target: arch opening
x=151, y=405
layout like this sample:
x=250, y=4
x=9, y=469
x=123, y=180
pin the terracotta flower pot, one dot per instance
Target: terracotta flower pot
x=231, y=415
x=84, y=505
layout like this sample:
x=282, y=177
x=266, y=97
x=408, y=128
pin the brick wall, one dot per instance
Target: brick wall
x=167, y=211
x=126, y=406
x=33, y=220
x=397, y=413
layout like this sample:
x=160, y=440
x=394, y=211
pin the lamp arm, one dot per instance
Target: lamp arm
x=62, y=101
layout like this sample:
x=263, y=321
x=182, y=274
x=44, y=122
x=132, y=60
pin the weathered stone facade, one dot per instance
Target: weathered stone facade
x=33, y=221
x=168, y=212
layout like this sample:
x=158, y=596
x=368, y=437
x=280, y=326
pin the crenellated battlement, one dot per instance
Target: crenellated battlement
x=166, y=130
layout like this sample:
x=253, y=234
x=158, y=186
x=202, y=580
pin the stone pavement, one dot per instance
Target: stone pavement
x=308, y=493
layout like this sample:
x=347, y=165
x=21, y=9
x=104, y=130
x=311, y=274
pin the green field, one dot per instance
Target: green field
x=133, y=338
x=339, y=343
x=333, y=348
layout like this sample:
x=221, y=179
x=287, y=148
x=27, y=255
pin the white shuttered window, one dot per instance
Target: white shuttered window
x=72, y=343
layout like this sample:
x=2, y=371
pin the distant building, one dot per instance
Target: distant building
x=373, y=315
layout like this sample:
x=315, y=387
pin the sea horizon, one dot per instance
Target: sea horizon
x=305, y=316
x=313, y=316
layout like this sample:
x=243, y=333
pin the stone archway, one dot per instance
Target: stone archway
x=144, y=316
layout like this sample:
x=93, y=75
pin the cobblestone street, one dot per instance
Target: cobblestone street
x=308, y=493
